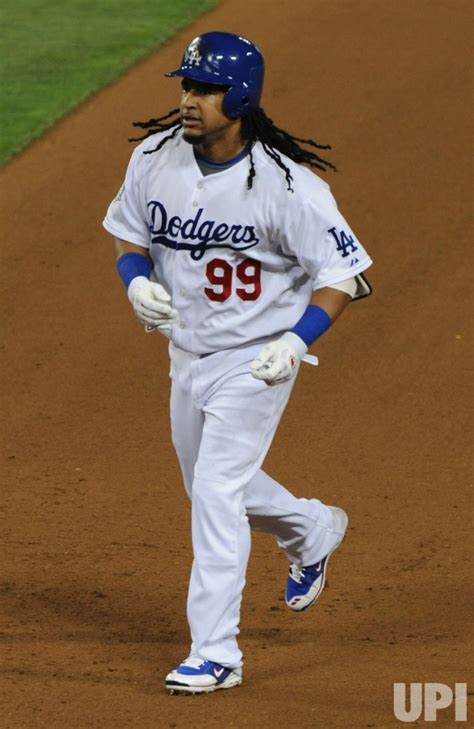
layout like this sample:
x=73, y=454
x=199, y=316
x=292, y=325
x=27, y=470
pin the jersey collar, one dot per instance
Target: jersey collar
x=222, y=165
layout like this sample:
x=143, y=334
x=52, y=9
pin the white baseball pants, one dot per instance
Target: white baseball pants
x=222, y=423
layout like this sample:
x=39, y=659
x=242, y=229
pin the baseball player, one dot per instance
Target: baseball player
x=237, y=253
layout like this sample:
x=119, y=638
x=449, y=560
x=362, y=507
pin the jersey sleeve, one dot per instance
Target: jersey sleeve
x=322, y=241
x=126, y=216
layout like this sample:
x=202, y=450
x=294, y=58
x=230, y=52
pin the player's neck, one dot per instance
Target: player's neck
x=224, y=148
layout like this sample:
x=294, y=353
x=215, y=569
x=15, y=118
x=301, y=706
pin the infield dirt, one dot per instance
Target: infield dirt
x=95, y=542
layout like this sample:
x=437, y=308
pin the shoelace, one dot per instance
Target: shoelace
x=296, y=573
x=193, y=662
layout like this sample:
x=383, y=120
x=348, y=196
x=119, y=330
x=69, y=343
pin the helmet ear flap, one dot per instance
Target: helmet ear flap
x=237, y=102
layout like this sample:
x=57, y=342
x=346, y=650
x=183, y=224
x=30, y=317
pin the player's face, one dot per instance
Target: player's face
x=202, y=117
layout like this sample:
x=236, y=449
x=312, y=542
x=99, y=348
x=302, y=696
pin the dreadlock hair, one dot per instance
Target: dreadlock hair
x=256, y=126
x=154, y=126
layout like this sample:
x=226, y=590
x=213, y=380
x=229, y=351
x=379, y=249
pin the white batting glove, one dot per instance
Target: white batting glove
x=151, y=304
x=278, y=361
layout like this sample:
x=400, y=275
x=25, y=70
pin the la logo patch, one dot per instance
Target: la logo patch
x=193, y=56
x=345, y=243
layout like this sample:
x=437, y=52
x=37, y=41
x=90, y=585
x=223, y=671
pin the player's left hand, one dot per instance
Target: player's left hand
x=278, y=361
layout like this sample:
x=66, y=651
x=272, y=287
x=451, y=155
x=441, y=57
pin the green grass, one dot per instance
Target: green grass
x=55, y=53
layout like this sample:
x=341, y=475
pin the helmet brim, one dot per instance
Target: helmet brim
x=197, y=74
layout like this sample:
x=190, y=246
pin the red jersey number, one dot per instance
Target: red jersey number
x=220, y=273
x=248, y=272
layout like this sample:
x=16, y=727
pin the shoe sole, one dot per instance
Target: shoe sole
x=345, y=519
x=174, y=687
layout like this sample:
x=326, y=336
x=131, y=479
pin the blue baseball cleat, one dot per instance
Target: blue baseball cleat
x=198, y=676
x=305, y=584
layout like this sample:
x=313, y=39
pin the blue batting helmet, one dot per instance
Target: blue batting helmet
x=228, y=60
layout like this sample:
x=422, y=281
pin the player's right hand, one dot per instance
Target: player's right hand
x=151, y=303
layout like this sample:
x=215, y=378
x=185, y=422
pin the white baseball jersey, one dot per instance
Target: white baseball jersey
x=240, y=265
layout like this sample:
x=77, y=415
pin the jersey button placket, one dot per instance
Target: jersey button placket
x=199, y=186
x=189, y=324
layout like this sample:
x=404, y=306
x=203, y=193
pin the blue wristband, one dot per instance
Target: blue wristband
x=131, y=265
x=314, y=322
